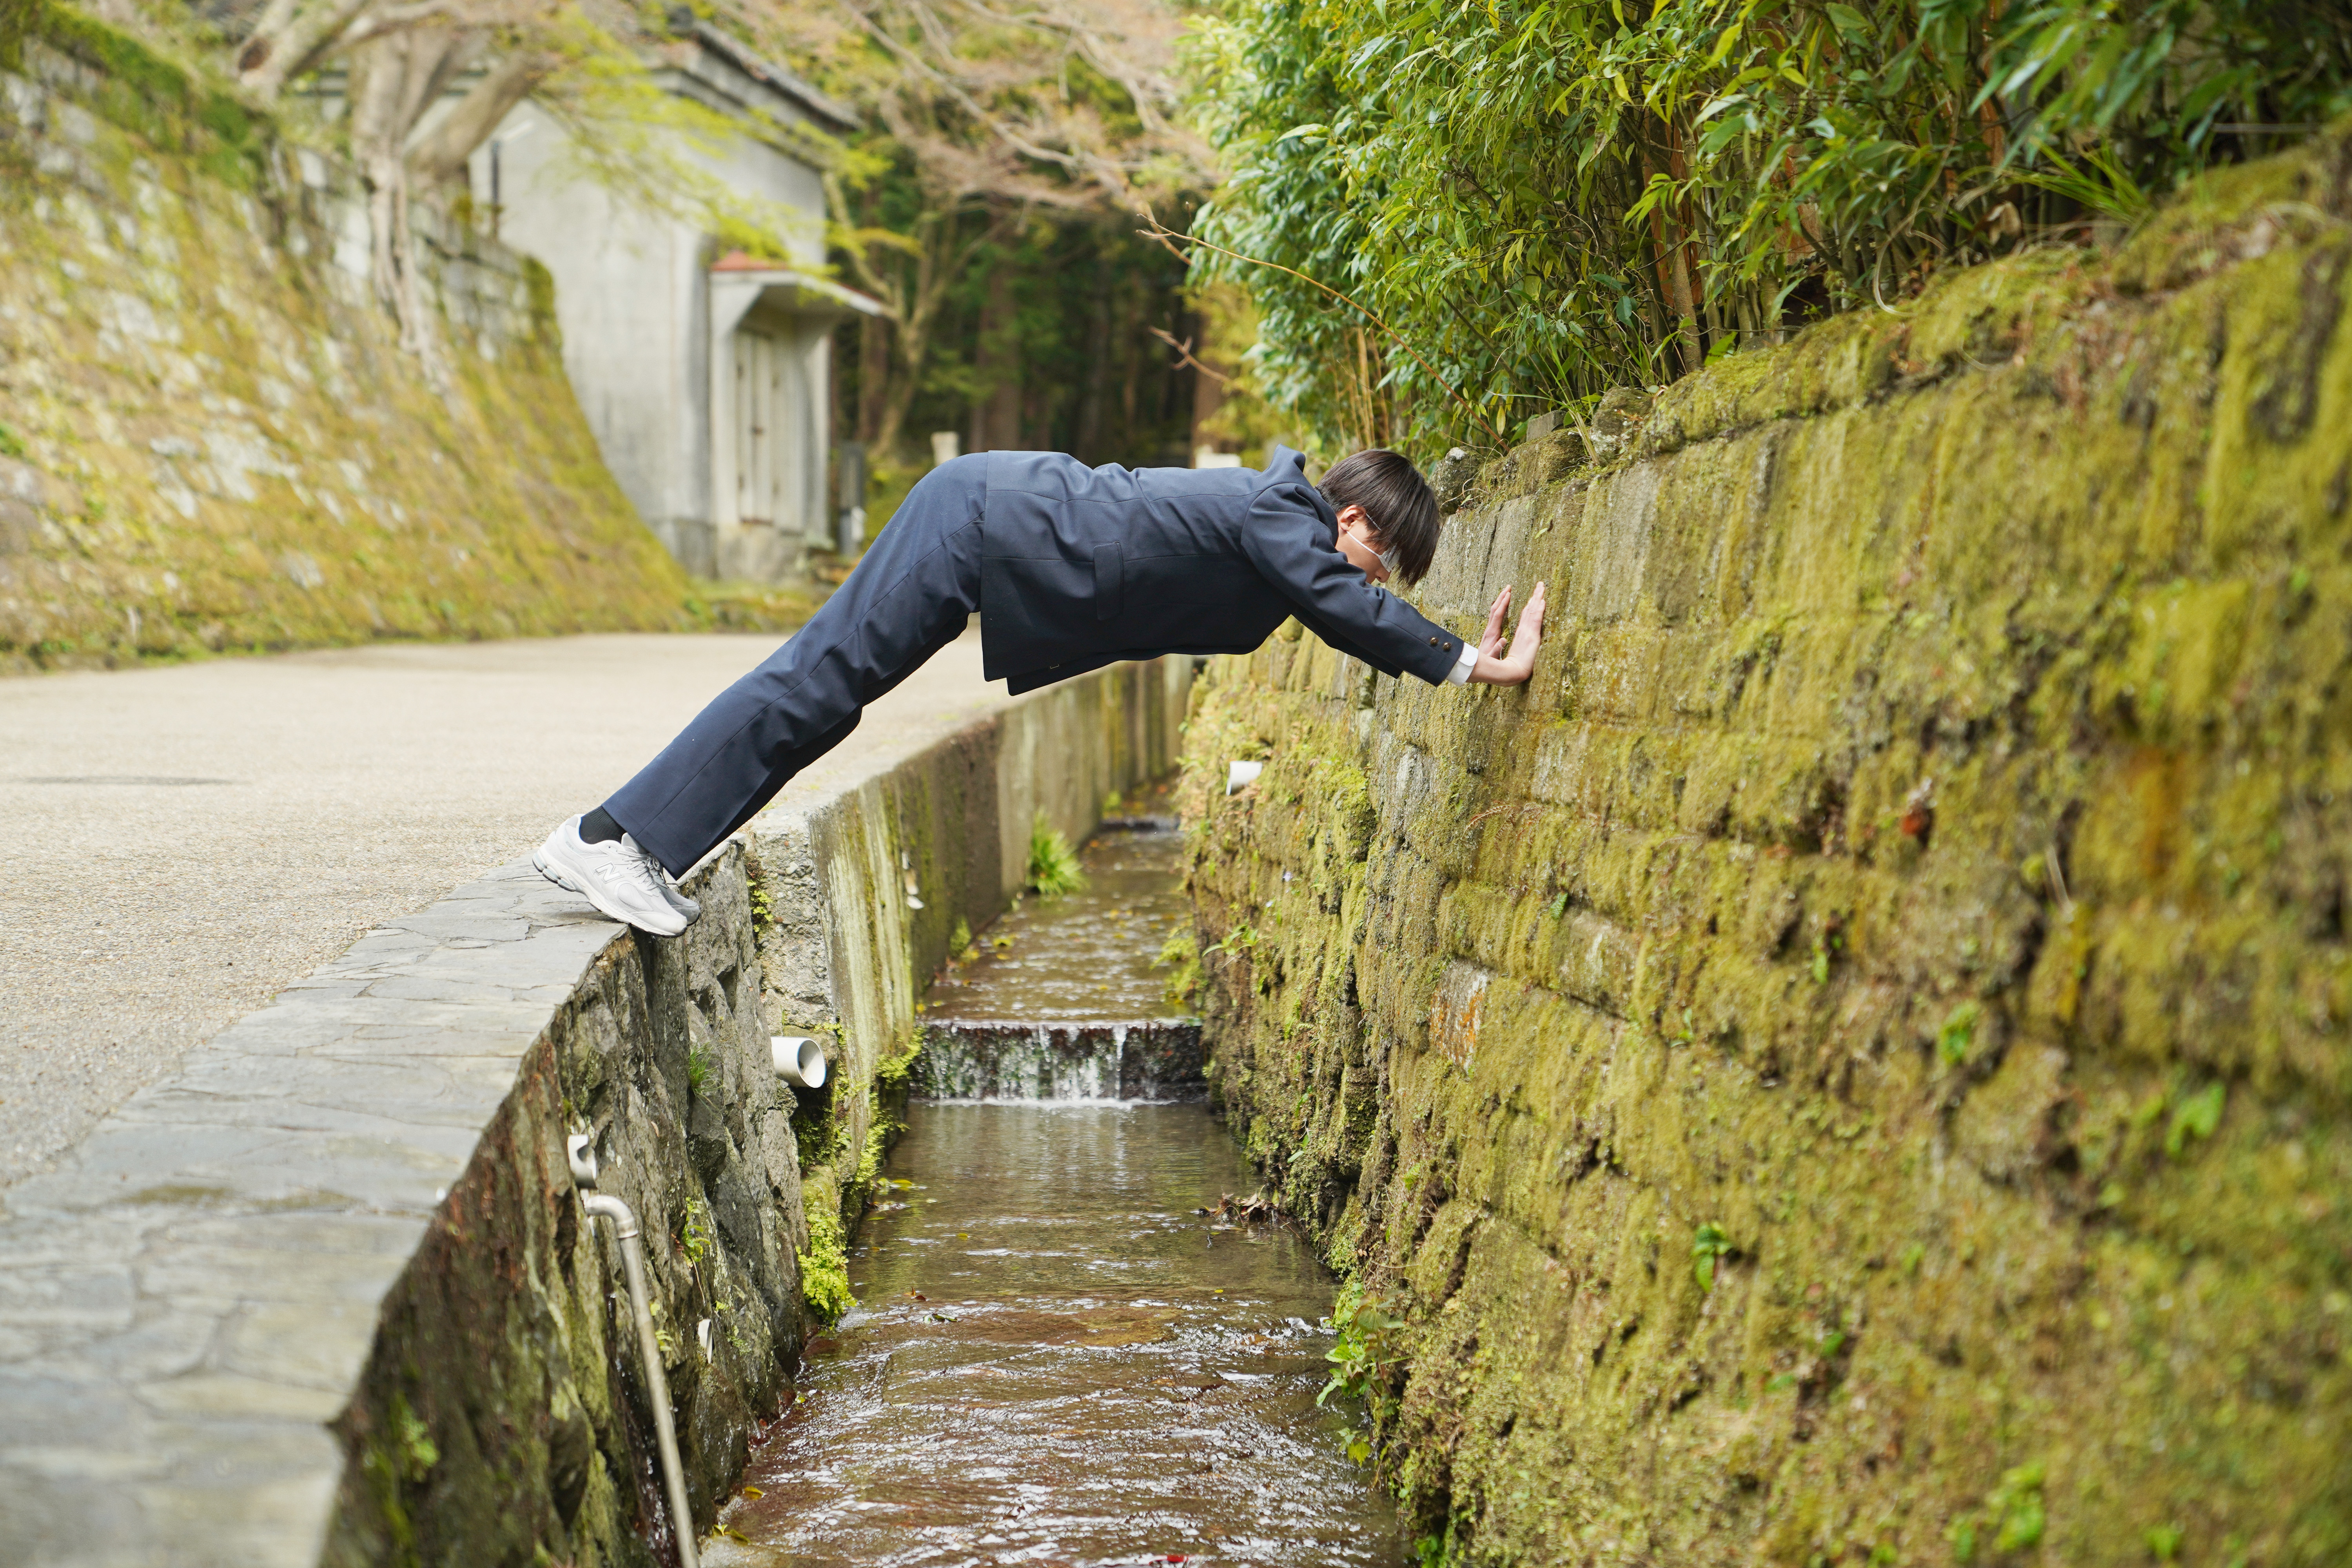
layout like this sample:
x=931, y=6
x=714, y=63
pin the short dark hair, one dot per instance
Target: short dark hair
x=1396, y=498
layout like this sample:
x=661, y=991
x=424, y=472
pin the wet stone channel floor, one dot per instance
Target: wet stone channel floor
x=1056, y=1359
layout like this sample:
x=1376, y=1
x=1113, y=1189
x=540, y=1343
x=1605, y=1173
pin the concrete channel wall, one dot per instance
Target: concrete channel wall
x=1850, y=1064
x=329, y=1295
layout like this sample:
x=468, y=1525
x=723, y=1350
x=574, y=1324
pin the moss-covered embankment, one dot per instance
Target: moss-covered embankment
x=1850, y=1064
x=209, y=436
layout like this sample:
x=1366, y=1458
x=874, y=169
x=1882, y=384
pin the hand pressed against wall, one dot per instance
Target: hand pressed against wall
x=1494, y=667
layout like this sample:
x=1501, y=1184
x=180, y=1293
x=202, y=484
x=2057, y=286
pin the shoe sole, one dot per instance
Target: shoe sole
x=545, y=867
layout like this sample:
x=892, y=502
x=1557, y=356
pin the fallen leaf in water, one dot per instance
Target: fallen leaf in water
x=917, y=1295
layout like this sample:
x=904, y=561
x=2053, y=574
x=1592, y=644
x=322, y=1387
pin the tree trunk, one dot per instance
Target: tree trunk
x=1675, y=283
x=1089, y=433
x=872, y=377
x=287, y=40
x=916, y=303
x=442, y=154
x=996, y=364
x=393, y=78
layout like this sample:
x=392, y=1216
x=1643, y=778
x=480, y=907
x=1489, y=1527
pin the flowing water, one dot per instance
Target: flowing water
x=1059, y=1359
x=1090, y=954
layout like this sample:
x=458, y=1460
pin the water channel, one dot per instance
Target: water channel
x=1060, y=1358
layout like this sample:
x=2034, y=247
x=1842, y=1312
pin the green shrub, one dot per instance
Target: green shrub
x=1547, y=199
x=1054, y=868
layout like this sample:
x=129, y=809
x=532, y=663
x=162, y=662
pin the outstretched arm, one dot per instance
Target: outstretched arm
x=1293, y=546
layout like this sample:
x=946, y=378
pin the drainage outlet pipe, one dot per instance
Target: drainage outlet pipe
x=582, y=1151
x=800, y=1062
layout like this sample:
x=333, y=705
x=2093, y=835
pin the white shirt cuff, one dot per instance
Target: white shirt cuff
x=1460, y=674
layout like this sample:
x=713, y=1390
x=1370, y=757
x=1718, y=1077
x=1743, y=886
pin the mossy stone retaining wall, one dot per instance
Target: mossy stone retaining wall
x=210, y=439
x=1851, y=1063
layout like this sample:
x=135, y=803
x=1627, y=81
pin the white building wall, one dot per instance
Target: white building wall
x=633, y=299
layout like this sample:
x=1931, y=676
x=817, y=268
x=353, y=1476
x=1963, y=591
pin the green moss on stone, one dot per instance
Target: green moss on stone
x=225, y=449
x=824, y=1267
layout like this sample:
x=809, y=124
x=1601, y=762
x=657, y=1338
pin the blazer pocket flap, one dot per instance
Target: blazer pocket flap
x=1110, y=581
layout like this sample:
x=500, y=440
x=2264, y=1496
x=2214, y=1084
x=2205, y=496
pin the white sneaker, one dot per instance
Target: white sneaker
x=666, y=882
x=618, y=878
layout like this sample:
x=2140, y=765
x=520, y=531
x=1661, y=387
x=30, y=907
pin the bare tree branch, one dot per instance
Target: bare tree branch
x=277, y=58
x=442, y=155
x=1184, y=359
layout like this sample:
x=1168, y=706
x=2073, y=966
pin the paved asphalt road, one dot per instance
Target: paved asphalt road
x=177, y=844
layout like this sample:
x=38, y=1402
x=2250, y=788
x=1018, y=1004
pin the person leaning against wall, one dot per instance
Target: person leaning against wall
x=1070, y=569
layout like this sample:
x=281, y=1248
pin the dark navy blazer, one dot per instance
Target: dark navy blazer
x=1081, y=567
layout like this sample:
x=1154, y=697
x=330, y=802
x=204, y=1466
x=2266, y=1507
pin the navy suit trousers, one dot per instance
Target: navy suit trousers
x=912, y=594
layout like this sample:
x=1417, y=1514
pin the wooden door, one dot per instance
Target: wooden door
x=759, y=416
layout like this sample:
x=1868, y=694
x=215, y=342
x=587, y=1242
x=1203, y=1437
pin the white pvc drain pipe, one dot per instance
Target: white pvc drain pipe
x=581, y=1148
x=800, y=1062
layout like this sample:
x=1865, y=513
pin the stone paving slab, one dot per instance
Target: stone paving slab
x=186, y=1301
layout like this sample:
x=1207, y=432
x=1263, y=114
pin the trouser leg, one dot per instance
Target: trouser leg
x=910, y=595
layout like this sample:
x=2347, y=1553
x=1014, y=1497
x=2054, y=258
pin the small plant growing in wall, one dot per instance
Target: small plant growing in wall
x=1054, y=868
x=1959, y=1033
x=2012, y=1516
x=416, y=1447
x=1710, y=1243
x=1367, y=1346
x=1180, y=955
x=825, y=1268
x=2198, y=1116
x=694, y=1237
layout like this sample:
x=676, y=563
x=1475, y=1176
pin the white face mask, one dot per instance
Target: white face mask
x=1386, y=558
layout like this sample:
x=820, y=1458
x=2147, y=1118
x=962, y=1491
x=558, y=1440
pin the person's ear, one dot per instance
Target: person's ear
x=1355, y=517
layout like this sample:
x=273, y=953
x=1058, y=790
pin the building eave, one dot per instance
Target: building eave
x=802, y=293
x=835, y=117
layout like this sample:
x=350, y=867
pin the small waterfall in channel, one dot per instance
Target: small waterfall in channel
x=1092, y=1062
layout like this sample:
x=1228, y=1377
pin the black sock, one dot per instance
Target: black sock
x=597, y=826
